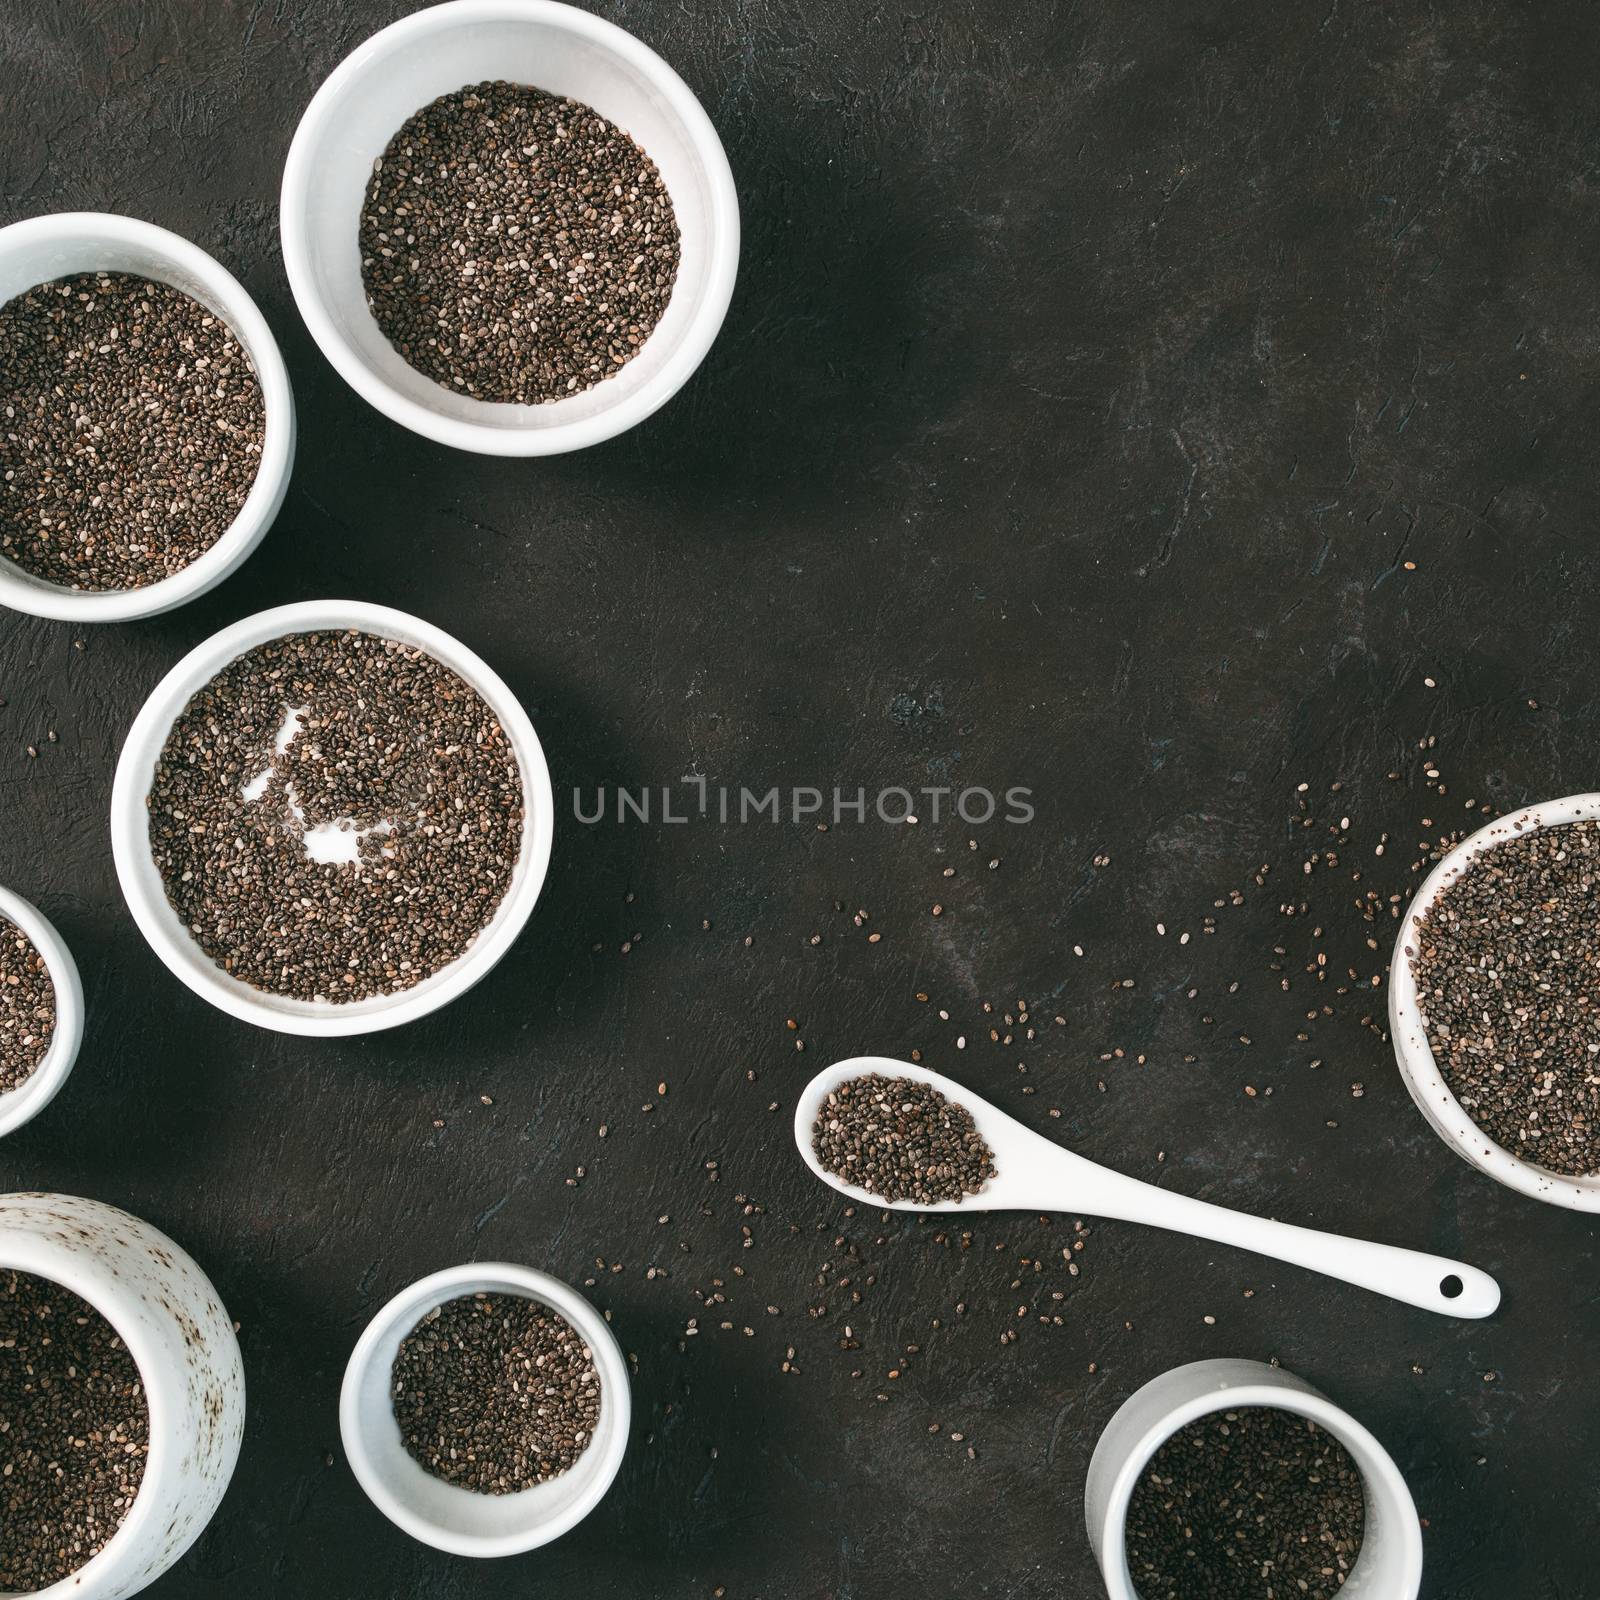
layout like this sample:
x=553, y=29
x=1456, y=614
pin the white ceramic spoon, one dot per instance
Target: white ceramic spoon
x=1032, y=1174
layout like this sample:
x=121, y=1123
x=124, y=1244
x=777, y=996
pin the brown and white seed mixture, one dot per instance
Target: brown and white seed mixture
x=902, y=1139
x=1254, y=1504
x=495, y=1393
x=516, y=247
x=74, y=1427
x=27, y=1007
x=336, y=816
x=132, y=431
x=1507, y=963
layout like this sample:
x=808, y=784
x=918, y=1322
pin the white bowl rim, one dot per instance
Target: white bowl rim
x=40, y=597
x=41, y=1086
x=1413, y=1054
x=722, y=268
x=130, y=828
x=409, y=1306
x=26, y=1252
x=1371, y=1459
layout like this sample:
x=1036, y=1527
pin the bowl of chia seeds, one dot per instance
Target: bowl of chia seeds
x=510, y=226
x=41, y=1012
x=148, y=425
x=1494, y=1000
x=1234, y=1478
x=485, y=1409
x=331, y=818
x=122, y=1395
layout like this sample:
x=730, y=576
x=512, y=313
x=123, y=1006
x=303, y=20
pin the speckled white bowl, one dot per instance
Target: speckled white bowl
x=1390, y=1564
x=182, y=1340
x=565, y=51
x=44, y=248
x=141, y=879
x=41, y=1086
x=445, y=1515
x=1418, y=1068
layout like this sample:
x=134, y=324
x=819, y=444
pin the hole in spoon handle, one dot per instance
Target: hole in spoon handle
x=1464, y=1291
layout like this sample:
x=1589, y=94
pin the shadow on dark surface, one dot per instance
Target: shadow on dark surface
x=113, y=1086
x=692, y=1498
x=826, y=365
x=685, y=1491
x=553, y=971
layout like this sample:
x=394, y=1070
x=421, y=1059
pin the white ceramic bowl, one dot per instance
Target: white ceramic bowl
x=1389, y=1566
x=45, y=248
x=183, y=1343
x=1415, y=1056
x=141, y=880
x=40, y=1087
x=445, y=1515
x=549, y=46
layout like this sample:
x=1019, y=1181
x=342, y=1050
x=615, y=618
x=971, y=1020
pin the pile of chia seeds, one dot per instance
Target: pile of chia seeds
x=27, y=1007
x=73, y=1430
x=387, y=757
x=902, y=1139
x=1256, y=1504
x=516, y=247
x=495, y=1393
x=131, y=427
x=1507, y=963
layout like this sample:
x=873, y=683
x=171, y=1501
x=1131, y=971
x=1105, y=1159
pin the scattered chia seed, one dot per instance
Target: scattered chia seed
x=514, y=246
x=495, y=1393
x=133, y=427
x=1254, y=1504
x=1507, y=963
x=74, y=1422
x=363, y=855
x=902, y=1139
x=27, y=1007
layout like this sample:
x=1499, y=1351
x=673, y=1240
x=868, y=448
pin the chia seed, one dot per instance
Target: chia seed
x=74, y=1424
x=1254, y=1504
x=514, y=246
x=364, y=855
x=131, y=427
x=902, y=1139
x=495, y=1393
x=1507, y=963
x=27, y=1007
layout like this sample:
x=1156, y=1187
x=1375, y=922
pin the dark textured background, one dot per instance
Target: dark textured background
x=1094, y=372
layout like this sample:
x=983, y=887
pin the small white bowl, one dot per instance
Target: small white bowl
x=567, y=52
x=1412, y=1051
x=45, y=248
x=40, y=1087
x=1389, y=1566
x=141, y=879
x=182, y=1341
x=445, y=1515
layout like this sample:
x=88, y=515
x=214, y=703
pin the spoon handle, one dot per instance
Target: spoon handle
x=1435, y=1283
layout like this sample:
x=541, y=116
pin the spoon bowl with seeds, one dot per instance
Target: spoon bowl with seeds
x=918, y=1141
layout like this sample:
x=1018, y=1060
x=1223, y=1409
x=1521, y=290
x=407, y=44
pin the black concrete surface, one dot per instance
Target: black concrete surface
x=1133, y=403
